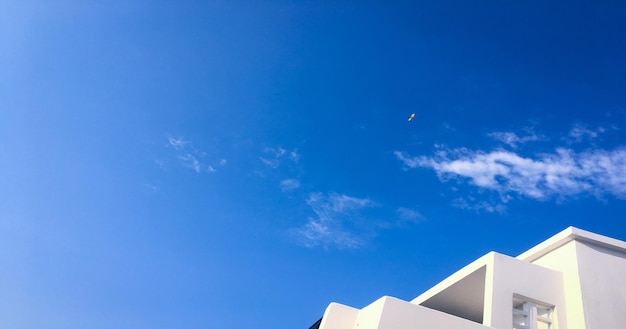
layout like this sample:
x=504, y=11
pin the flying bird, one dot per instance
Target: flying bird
x=411, y=117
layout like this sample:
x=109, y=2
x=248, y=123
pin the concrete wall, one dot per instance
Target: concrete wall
x=339, y=316
x=603, y=284
x=507, y=276
x=392, y=313
x=565, y=260
x=369, y=316
x=399, y=314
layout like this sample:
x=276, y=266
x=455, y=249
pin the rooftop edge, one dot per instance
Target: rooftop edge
x=569, y=234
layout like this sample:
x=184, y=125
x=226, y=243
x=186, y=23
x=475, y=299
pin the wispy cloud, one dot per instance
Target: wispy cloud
x=448, y=127
x=336, y=223
x=177, y=143
x=151, y=187
x=280, y=163
x=513, y=140
x=580, y=133
x=294, y=155
x=274, y=156
x=289, y=184
x=272, y=163
x=211, y=169
x=277, y=152
x=560, y=174
x=471, y=203
x=190, y=161
x=191, y=157
x=409, y=215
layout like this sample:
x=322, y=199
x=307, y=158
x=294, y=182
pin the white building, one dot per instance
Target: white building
x=574, y=280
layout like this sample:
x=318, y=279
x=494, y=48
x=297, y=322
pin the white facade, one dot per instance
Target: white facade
x=574, y=280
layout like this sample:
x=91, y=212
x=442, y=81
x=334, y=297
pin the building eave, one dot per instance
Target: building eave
x=571, y=234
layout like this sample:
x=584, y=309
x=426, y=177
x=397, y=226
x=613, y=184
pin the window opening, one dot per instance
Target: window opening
x=529, y=314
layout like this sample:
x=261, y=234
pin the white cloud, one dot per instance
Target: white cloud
x=191, y=157
x=407, y=214
x=274, y=156
x=319, y=232
x=341, y=203
x=190, y=161
x=150, y=187
x=289, y=184
x=334, y=213
x=447, y=126
x=580, y=132
x=513, y=140
x=478, y=206
x=211, y=169
x=177, y=143
x=272, y=163
x=561, y=174
x=276, y=152
x=294, y=155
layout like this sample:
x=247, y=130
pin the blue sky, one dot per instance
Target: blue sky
x=238, y=164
